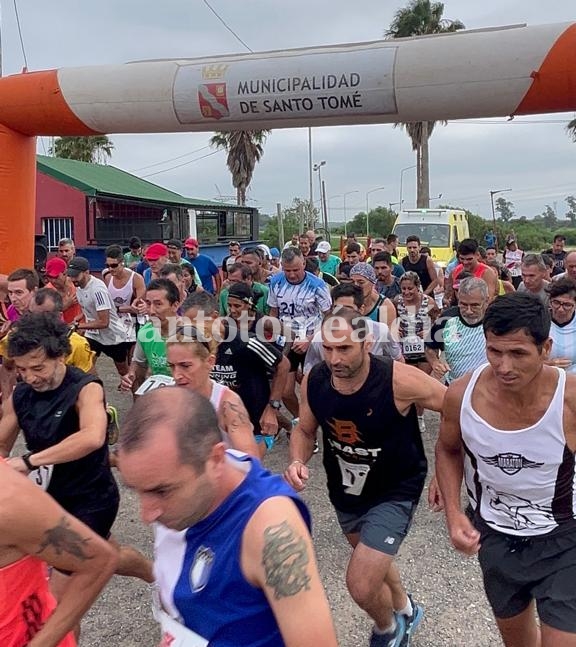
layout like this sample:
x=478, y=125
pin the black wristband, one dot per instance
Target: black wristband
x=26, y=460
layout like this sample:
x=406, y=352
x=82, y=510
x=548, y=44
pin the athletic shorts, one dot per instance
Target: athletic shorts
x=116, y=352
x=382, y=527
x=100, y=521
x=518, y=570
x=267, y=440
x=296, y=360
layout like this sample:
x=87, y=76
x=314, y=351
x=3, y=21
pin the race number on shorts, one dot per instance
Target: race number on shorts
x=41, y=476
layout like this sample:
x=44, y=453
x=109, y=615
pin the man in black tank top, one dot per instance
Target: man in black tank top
x=61, y=412
x=421, y=264
x=374, y=461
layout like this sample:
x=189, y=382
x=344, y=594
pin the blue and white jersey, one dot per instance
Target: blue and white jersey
x=564, y=342
x=464, y=347
x=198, y=573
x=300, y=305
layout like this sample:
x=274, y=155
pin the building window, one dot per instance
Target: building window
x=56, y=228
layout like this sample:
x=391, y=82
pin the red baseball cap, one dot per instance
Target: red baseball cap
x=55, y=266
x=191, y=242
x=155, y=251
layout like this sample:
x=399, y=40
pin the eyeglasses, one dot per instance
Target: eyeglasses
x=112, y=266
x=565, y=305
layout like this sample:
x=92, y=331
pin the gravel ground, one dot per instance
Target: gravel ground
x=447, y=584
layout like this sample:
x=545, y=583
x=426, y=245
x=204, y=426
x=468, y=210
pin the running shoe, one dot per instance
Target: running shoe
x=112, y=429
x=390, y=639
x=412, y=621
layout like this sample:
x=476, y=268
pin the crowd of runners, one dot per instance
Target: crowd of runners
x=219, y=361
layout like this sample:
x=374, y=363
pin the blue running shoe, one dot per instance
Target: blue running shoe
x=390, y=639
x=412, y=621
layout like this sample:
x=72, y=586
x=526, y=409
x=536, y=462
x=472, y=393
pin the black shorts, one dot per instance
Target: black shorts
x=296, y=360
x=117, y=352
x=100, y=521
x=518, y=570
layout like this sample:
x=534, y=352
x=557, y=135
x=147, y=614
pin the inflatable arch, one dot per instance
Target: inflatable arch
x=508, y=71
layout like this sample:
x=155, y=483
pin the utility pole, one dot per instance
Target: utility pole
x=280, y=225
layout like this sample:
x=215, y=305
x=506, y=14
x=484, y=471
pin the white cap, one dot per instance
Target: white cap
x=266, y=250
x=324, y=247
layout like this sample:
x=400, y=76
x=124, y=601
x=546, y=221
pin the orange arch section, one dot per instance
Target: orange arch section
x=555, y=80
x=17, y=199
x=33, y=104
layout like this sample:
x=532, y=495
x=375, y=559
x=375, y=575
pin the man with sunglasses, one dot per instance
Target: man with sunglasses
x=102, y=325
x=125, y=286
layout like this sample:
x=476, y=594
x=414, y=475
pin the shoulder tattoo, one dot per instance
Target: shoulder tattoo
x=64, y=540
x=285, y=557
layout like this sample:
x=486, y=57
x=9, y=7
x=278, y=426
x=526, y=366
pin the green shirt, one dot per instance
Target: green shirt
x=261, y=302
x=131, y=259
x=151, y=350
x=330, y=265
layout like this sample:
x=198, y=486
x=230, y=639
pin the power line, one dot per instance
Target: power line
x=20, y=34
x=226, y=25
x=183, y=164
x=172, y=159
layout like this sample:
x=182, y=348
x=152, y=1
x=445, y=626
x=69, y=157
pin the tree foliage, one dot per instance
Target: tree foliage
x=505, y=209
x=291, y=219
x=95, y=149
x=245, y=149
x=571, y=213
x=419, y=18
x=381, y=222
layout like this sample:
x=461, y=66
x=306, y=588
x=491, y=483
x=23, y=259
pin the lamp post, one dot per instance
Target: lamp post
x=378, y=188
x=438, y=197
x=318, y=167
x=492, y=194
x=408, y=168
x=345, y=214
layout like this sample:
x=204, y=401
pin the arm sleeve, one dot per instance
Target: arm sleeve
x=265, y=353
x=324, y=298
x=272, y=300
x=139, y=356
x=102, y=299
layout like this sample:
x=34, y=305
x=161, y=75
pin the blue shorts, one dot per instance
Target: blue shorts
x=267, y=440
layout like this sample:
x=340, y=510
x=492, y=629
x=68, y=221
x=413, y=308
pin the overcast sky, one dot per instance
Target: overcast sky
x=536, y=159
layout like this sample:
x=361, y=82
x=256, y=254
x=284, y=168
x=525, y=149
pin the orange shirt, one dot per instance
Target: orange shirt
x=25, y=602
x=74, y=310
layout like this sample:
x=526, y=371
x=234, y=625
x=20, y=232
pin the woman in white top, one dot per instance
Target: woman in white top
x=191, y=355
x=562, y=293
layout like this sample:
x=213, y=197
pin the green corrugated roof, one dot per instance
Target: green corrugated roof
x=99, y=179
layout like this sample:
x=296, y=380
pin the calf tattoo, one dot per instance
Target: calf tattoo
x=285, y=557
x=64, y=540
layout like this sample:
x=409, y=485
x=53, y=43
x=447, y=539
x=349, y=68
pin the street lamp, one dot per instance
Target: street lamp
x=408, y=168
x=438, y=197
x=378, y=188
x=345, y=215
x=492, y=194
x=317, y=167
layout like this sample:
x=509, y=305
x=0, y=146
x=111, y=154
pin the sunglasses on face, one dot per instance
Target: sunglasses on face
x=112, y=266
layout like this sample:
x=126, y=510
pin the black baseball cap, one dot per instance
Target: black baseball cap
x=241, y=291
x=174, y=242
x=78, y=264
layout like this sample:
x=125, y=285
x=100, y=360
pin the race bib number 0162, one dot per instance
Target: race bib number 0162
x=413, y=346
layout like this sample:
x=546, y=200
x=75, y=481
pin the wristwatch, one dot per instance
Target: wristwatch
x=26, y=460
x=276, y=404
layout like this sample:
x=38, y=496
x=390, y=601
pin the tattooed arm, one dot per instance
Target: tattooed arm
x=32, y=523
x=235, y=421
x=278, y=557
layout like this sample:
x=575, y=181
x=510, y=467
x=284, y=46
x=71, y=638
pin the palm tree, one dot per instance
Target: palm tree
x=418, y=18
x=571, y=129
x=245, y=150
x=95, y=149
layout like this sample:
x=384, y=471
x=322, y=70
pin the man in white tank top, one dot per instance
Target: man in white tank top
x=509, y=430
x=125, y=286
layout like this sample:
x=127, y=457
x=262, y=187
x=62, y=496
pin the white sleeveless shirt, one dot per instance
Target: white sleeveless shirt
x=521, y=481
x=123, y=297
